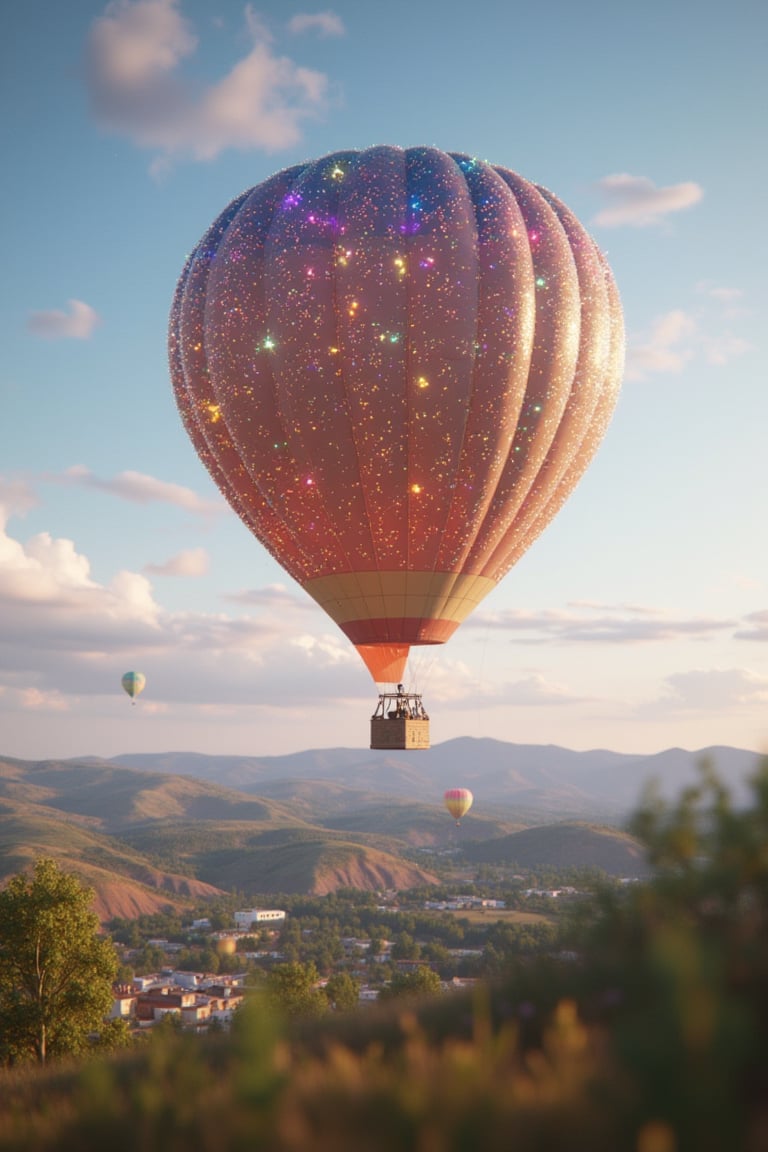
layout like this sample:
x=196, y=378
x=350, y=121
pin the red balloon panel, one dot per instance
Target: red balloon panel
x=396, y=364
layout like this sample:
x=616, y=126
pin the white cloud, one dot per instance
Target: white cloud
x=756, y=627
x=535, y=690
x=620, y=625
x=667, y=348
x=134, y=54
x=77, y=324
x=715, y=689
x=139, y=488
x=190, y=562
x=325, y=23
x=677, y=338
x=33, y=700
x=636, y=201
x=719, y=291
x=63, y=634
x=452, y=682
x=273, y=596
x=721, y=350
x=48, y=597
x=326, y=650
x=17, y=496
x=138, y=41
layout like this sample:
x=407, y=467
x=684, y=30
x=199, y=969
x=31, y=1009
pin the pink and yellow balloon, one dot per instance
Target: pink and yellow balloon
x=458, y=801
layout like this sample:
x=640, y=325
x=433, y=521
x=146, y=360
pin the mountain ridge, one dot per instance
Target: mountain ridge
x=155, y=831
x=581, y=782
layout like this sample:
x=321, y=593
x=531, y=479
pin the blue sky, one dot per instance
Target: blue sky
x=638, y=621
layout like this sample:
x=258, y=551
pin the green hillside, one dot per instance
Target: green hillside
x=115, y=798
x=147, y=840
x=121, y=876
x=567, y=845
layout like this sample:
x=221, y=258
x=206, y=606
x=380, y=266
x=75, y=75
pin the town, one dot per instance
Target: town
x=365, y=945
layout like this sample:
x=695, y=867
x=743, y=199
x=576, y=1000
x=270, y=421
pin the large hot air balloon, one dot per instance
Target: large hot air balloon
x=458, y=801
x=133, y=683
x=396, y=364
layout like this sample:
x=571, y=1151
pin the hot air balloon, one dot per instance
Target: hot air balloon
x=133, y=683
x=396, y=364
x=458, y=801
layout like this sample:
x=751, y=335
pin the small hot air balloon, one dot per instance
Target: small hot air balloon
x=396, y=364
x=133, y=683
x=458, y=801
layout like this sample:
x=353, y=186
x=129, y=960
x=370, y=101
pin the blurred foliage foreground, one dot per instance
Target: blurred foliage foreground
x=647, y=1033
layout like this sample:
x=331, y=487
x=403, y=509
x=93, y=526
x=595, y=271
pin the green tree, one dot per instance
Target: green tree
x=56, y=972
x=405, y=947
x=292, y=989
x=343, y=991
x=421, y=982
x=114, y=1034
x=150, y=959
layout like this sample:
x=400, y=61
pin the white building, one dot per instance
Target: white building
x=250, y=916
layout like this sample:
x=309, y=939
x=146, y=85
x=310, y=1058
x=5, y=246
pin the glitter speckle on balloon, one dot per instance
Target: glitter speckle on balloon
x=396, y=364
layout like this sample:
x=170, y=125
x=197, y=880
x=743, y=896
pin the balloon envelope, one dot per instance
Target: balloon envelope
x=458, y=801
x=133, y=683
x=396, y=364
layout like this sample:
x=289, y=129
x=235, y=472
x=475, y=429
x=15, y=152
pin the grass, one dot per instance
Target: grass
x=506, y=915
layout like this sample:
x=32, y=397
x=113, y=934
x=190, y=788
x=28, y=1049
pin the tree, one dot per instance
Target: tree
x=343, y=992
x=114, y=1034
x=405, y=947
x=421, y=982
x=292, y=988
x=56, y=972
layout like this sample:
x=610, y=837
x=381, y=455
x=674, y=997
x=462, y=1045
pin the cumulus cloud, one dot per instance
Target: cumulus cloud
x=622, y=625
x=755, y=627
x=326, y=650
x=134, y=56
x=275, y=596
x=79, y=323
x=637, y=202
x=33, y=700
x=64, y=634
x=678, y=337
x=668, y=347
x=455, y=684
x=17, y=496
x=719, y=291
x=715, y=689
x=139, y=488
x=723, y=349
x=190, y=562
x=535, y=690
x=47, y=596
x=325, y=23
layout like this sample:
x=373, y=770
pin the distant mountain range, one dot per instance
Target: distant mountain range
x=529, y=782
x=173, y=830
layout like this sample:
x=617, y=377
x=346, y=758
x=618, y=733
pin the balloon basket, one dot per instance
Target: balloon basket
x=399, y=723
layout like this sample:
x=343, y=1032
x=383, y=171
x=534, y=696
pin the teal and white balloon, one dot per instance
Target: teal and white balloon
x=133, y=683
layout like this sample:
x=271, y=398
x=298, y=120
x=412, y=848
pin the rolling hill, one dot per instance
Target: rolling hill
x=174, y=829
x=147, y=842
x=560, y=846
x=126, y=883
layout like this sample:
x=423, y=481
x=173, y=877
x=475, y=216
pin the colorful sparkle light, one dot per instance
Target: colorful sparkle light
x=456, y=281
